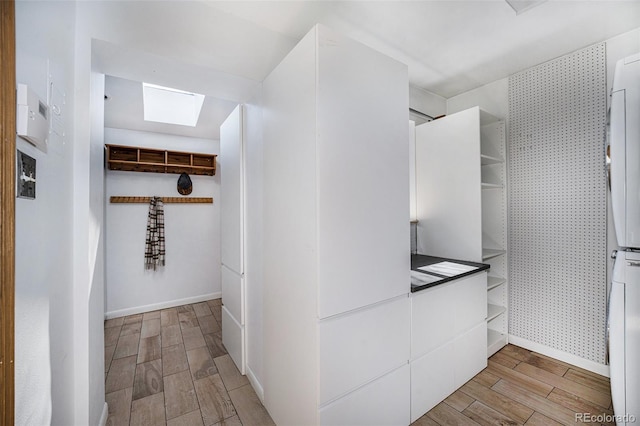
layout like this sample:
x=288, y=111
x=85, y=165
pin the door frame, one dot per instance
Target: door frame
x=7, y=207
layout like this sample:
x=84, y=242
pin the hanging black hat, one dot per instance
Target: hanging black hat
x=184, y=184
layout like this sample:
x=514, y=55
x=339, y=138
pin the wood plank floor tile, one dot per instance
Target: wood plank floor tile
x=497, y=401
x=457, y=400
x=217, y=314
x=592, y=380
x=214, y=343
x=188, y=319
x=119, y=403
x=519, y=379
x=201, y=364
x=535, y=402
x=148, y=411
x=231, y=376
x=505, y=360
x=150, y=328
x=486, y=379
x=547, y=364
x=184, y=308
x=120, y=374
x=445, y=415
x=425, y=421
x=193, y=418
x=201, y=309
x=180, y=395
x=114, y=322
x=151, y=315
x=171, y=335
x=215, y=403
x=208, y=324
x=149, y=349
x=108, y=356
x=148, y=379
x=193, y=338
x=174, y=360
x=127, y=346
x=577, y=389
x=515, y=352
x=111, y=335
x=250, y=409
x=576, y=403
x=231, y=421
x=538, y=419
x=132, y=328
x=131, y=319
x=487, y=416
x=168, y=317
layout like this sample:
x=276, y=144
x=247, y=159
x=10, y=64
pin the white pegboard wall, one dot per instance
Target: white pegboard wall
x=557, y=204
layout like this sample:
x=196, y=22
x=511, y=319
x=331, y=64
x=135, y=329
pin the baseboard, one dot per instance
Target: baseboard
x=105, y=415
x=586, y=364
x=255, y=383
x=163, y=305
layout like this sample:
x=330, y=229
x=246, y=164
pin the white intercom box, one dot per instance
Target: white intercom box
x=32, y=116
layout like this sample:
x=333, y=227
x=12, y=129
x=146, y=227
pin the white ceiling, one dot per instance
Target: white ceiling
x=225, y=48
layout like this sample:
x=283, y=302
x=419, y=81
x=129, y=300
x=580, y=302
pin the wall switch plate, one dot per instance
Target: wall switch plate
x=26, y=179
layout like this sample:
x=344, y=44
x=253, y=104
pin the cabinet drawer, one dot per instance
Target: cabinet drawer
x=358, y=347
x=384, y=401
x=443, y=312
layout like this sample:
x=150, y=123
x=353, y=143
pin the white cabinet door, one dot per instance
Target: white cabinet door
x=469, y=354
x=230, y=163
x=358, y=347
x=233, y=293
x=432, y=380
x=233, y=339
x=470, y=302
x=362, y=169
x=382, y=402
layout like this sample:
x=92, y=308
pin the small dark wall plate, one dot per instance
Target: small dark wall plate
x=26, y=176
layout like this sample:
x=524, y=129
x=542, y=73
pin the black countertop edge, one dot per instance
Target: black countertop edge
x=419, y=260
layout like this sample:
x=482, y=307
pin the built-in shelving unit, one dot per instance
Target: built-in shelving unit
x=494, y=228
x=147, y=160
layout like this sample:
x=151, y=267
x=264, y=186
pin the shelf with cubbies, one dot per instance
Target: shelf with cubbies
x=494, y=228
x=147, y=160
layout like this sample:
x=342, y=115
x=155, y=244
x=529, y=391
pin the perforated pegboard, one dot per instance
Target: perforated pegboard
x=557, y=204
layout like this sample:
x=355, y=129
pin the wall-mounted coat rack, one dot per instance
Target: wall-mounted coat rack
x=165, y=200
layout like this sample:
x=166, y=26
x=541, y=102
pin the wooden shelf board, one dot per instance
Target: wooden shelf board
x=165, y=200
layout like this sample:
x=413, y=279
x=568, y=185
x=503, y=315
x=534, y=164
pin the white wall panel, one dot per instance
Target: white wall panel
x=557, y=202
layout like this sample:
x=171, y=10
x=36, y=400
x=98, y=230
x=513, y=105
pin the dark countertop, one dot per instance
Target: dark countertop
x=419, y=260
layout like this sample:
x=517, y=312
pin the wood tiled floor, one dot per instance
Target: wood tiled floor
x=523, y=387
x=170, y=367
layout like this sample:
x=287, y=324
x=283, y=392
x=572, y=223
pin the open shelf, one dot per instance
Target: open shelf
x=490, y=253
x=487, y=160
x=495, y=341
x=493, y=282
x=493, y=311
x=147, y=160
x=487, y=185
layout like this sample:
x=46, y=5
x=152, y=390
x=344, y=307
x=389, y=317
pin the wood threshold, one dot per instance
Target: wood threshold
x=7, y=208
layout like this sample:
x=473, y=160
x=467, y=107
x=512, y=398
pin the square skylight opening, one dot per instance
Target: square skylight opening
x=521, y=6
x=171, y=106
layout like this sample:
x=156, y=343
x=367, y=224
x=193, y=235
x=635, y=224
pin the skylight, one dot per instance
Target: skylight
x=172, y=106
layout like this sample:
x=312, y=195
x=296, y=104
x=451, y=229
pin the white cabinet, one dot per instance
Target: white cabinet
x=334, y=249
x=448, y=339
x=461, y=201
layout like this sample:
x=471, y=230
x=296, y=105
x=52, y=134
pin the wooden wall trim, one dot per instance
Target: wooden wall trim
x=7, y=207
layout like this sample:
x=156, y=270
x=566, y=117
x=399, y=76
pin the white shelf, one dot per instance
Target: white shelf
x=487, y=185
x=493, y=282
x=487, y=160
x=494, y=311
x=495, y=341
x=491, y=253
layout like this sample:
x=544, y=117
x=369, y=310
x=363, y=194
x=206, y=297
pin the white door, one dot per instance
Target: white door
x=231, y=162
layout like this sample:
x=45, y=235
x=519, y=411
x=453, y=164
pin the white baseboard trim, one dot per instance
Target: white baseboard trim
x=586, y=364
x=162, y=305
x=105, y=415
x=255, y=383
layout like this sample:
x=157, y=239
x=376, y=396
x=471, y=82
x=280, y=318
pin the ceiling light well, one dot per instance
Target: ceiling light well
x=171, y=106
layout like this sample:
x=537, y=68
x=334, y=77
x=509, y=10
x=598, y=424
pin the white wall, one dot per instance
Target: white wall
x=44, y=314
x=192, y=232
